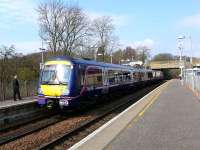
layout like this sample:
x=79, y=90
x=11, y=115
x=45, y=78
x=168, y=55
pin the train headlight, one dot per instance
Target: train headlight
x=65, y=92
x=63, y=102
x=40, y=91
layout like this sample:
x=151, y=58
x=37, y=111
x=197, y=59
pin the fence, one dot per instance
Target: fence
x=27, y=88
x=191, y=78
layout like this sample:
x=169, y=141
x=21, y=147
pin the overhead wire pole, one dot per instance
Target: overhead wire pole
x=111, y=57
x=180, y=46
x=42, y=49
x=191, y=62
x=191, y=59
x=42, y=63
x=95, y=55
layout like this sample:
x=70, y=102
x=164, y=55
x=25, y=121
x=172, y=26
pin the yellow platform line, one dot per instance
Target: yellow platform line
x=152, y=98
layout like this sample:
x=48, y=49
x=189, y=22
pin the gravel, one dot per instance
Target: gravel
x=36, y=139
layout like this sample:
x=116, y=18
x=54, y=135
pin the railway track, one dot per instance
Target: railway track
x=13, y=126
x=29, y=128
x=34, y=134
x=69, y=138
x=82, y=127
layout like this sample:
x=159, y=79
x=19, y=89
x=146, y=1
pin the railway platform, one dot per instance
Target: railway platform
x=17, y=112
x=12, y=103
x=167, y=118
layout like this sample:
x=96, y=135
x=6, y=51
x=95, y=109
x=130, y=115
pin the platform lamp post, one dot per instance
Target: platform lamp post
x=42, y=52
x=95, y=54
x=42, y=49
x=191, y=63
x=191, y=59
x=100, y=54
x=180, y=46
x=111, y=57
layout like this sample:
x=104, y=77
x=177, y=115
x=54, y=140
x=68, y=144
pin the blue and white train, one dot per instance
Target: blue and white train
x=70, y=83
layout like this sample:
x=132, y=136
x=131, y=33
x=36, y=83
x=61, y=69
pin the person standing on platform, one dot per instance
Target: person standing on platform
x=16, y=88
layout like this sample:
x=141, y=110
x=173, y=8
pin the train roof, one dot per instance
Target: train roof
x=92, y=62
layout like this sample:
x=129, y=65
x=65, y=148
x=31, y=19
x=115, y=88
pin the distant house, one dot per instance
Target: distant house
x=134, y=63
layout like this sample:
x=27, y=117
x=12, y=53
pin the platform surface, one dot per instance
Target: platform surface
x=11, y=103
x=172, y=122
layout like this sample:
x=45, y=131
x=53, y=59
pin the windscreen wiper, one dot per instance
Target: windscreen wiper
x=45, y=82
x=63, y=83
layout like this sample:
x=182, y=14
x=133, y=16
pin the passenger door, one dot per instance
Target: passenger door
x=94, y=81
x=105, y=81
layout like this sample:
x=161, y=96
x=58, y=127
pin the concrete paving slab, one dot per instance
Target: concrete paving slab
x=100, y=138
x=171, y=123
x=11, y=103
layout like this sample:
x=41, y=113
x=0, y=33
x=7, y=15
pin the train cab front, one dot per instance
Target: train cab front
x=54, y=83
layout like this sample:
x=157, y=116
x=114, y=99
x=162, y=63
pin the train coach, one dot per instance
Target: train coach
x=69, y=83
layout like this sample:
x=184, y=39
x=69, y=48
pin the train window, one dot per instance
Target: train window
x=127, y=76
x=120, y=76
x=81, y=74
x=111, y=77
x=157, y=74
x=115, y=77
x=94, y=77
x=150, y=75
x=141, y=75
x=124, y=76
x=134, y=76
x=154, y=74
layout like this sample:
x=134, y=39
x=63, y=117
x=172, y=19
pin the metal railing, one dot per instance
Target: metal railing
x=27, y=88
x=191, y=78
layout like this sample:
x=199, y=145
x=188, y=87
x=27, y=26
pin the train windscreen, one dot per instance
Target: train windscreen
x=56, y=74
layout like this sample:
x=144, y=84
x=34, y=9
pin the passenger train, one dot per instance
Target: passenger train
x=69, y=83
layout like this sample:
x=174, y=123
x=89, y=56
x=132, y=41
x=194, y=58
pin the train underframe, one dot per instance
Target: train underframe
x=90, y=97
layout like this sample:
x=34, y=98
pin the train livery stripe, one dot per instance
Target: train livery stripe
x=58, y=62
x=53, y=90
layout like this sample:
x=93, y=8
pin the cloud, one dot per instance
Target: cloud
x=118, y=19
x=191, y=21
x=149, y=43
x=145, y=43
x=27, y=47
x=17, y=18
x=17, y=12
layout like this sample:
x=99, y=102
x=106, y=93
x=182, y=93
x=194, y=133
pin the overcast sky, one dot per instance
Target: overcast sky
x=155, y=23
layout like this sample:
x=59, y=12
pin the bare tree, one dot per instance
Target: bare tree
x=103, y=31
x=129, y=53
x=76, y=29
x=5, y=68
x=52, y=22
x=143, y=53
x=113, y=46
x=64, y=25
